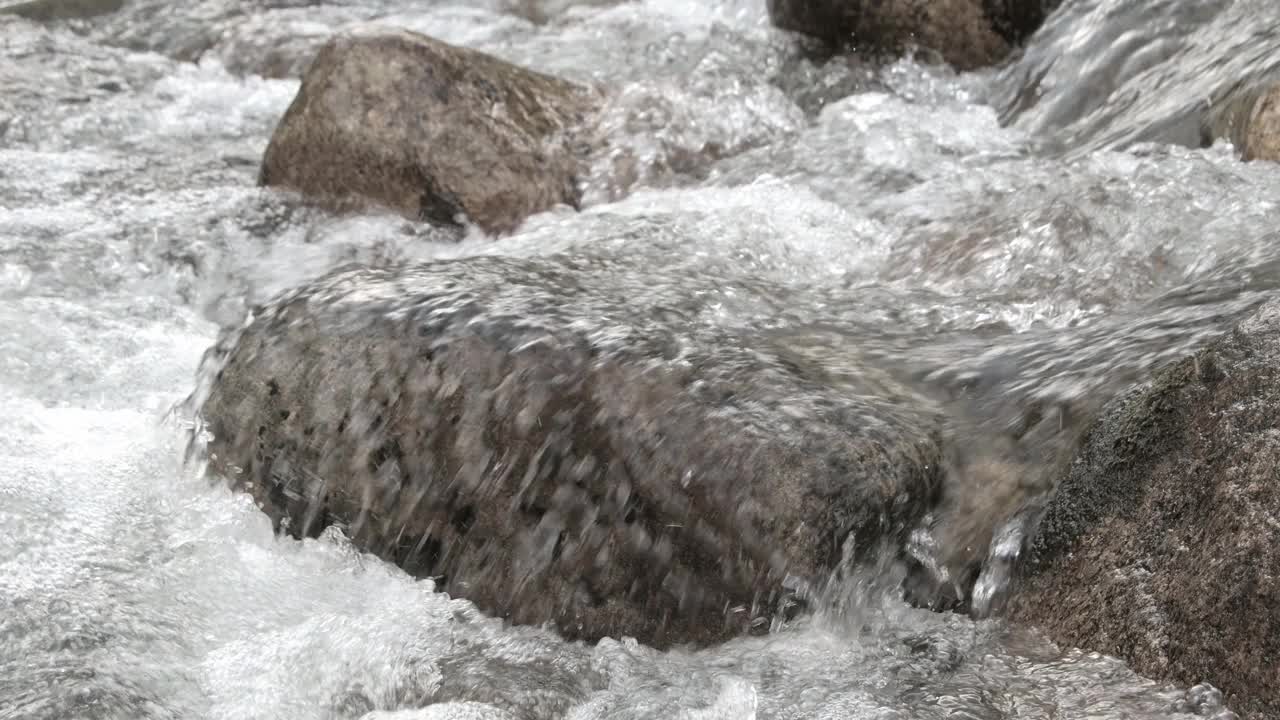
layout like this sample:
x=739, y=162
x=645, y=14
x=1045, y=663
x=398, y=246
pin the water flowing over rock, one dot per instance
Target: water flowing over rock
x=555, y=449
x=431, y=130
x=1112, y=73
x=1016, y=408
x=760, y=213
x=415, y=388
x=966, y=33
x=1162, y=543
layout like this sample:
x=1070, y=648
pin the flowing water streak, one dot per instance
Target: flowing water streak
x=1021, y=289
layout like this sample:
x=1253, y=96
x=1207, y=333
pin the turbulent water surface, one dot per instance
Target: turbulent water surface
x=949, y=244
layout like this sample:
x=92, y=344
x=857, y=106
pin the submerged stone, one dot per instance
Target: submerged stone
x=434, y=131
x=1162, y=543
x=965, y=33
x=50, y=10
x=547, y=444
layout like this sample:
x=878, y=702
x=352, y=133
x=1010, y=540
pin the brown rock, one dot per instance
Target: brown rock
x=1262, y=136
x=1247, y=117
x=965, y=33
x=1018, y=20
x=1162, y=543
x=555, y=449
x=430, y=130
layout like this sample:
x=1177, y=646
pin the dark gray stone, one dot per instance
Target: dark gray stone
x=431, y=130
x=1161, y=544
x=965, y=33
x=556, y=449
x=1018, y=20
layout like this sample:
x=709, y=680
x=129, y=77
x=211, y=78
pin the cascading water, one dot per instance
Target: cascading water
x=1021, y=285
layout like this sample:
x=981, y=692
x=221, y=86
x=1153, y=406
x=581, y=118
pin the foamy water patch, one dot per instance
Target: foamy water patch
x=103, y=353
x=204, y=99
x=770, y=229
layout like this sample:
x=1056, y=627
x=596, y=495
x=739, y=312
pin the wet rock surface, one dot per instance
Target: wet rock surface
x=554, y=450
x=1018, y=20
x=434, y=131
x=1261, y=135
x=965, y=33
x=1162, y=543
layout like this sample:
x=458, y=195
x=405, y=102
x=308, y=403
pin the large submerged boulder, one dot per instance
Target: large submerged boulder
x=545, y=441
x=1162, y=543
x=965, y=33
x=434, y=131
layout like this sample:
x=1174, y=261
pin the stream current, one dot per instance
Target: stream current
x=1075, y=241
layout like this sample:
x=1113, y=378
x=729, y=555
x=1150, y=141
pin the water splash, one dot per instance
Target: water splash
x=900, y=228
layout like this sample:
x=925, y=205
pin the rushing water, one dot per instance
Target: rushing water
x=893, y=199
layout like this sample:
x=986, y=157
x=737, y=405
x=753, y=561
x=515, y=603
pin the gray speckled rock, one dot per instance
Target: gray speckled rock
x=966, y=33
x=1162, y=543
x=556, y=449
x=431, y=130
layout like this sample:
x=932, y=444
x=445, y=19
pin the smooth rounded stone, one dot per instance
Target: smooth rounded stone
x=965, y=33
x=431, y=130
x=1162, y=543
x=557, y=447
